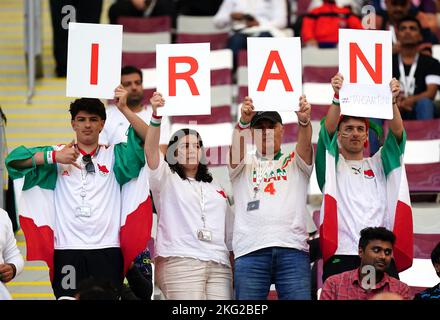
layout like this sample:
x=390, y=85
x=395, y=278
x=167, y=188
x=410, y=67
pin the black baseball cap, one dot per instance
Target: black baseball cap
x=269, y=115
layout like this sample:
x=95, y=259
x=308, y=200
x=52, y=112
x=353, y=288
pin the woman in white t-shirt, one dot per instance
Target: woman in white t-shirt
x=193, y=241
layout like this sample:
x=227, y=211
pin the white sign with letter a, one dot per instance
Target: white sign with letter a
x=365, y=61
x=93, y=60
x=274, y=73
x=184, y=78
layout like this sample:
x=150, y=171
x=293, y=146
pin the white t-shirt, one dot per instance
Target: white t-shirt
x=179, y=209
x=268, y=13
x=116, y=126
x=9, y=252
x=280, y=220
x=361, y=193
x=103, y=197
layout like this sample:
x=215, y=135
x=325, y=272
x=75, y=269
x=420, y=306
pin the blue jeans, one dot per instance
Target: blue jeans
x=423, y=110
x=287, y=268
x=238, y=41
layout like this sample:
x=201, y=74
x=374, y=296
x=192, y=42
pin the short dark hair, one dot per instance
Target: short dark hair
x=410, y=18
x=90, y=105
x=202, y=170
x=344, y=118
x=435, y=254
x=131, y=69
x=375, y=233
x=96, y=289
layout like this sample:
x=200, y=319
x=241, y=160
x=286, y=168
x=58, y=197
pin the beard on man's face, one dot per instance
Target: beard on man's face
x=133, y=100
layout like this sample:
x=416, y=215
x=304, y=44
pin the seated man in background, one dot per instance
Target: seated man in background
x=375, y=250
x=116, y=126
x=245, y=15
x=419, y=76
x=389, y=19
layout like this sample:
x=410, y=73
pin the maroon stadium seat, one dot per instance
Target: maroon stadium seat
x=423, y=177
x=144, y=60
x=319, y=74
x=217, y=41
x=145, y=25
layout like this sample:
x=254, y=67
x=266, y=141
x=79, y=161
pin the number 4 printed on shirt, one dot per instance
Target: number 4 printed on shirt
x=270, y=189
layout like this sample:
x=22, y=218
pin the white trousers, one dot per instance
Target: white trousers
x=192, y=279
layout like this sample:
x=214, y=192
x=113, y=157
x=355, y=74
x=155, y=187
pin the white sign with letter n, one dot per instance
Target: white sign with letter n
x=365, y=61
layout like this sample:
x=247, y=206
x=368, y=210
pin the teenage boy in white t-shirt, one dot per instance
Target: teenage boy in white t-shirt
x=270, y=191
x=73, y=201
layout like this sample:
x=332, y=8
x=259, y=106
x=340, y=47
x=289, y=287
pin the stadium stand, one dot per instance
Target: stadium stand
x=200, y=29
x=140, y=36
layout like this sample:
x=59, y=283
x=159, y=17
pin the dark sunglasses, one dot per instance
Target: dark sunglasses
x=90, y=167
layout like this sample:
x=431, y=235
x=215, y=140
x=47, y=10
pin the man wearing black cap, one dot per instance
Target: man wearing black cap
x=361, y=192
x=270, y=190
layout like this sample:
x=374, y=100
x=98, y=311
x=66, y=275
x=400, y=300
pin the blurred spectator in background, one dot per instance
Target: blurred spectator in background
x=88, y=11
x=424, y=9
x=116, y=126
x=354, y=5
x=395, y=11
x=256, y=18
x=142, y=8
x=434, y=292
x=197, y=7
x=419, y=77
x=320, y=27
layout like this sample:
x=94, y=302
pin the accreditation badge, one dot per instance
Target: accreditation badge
x=84, y=211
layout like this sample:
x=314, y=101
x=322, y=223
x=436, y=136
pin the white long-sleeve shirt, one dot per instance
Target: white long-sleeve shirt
x=268, y=13
x=9, y=252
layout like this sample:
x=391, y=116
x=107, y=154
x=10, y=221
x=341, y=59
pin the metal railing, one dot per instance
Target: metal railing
x=33, y=47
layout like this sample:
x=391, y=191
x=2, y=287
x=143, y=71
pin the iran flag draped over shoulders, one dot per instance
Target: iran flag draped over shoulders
x=36, y=207
x=398, y=201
